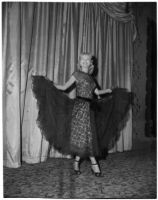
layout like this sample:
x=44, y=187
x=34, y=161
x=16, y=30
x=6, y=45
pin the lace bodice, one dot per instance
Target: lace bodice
x=85, y=85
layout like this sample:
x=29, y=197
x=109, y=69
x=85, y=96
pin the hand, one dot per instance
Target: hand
x=32, y=72
x=108, y=90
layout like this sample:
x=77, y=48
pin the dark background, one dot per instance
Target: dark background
x=144, y=74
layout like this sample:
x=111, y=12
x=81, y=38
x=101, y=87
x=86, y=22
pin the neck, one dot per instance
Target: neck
x=85, y=70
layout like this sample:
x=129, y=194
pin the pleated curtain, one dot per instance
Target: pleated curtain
x=46, y=39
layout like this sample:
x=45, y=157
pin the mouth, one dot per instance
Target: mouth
x=85, y=64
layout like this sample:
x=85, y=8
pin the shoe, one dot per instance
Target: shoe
x=77, y=171
x=97, y=174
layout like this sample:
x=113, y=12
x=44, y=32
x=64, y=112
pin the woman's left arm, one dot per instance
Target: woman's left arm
x=100, y=92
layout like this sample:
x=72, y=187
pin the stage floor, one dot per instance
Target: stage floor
x=125, y=175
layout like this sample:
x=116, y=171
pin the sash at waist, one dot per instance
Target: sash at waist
x=83, y=98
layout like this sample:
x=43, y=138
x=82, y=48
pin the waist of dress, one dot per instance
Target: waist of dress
x=84, y=98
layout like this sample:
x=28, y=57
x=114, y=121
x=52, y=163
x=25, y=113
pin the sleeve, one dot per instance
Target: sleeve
x=96, y=86
x=76, y=75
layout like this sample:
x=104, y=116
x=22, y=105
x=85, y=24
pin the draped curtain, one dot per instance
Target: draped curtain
x=46, y=39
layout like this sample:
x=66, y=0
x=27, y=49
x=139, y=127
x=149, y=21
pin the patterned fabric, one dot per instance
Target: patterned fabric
x=81, y=136
x=81, y=130
x=85, y=85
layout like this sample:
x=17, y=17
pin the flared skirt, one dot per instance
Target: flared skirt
x=77, y=127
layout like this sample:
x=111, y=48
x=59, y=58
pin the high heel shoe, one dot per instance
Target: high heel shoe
x=97, y=174
x=77, y=171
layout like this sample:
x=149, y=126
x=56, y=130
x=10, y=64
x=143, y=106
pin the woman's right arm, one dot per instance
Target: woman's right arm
x=69, y=83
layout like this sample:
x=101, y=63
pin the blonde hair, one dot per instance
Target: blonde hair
x=91, y=67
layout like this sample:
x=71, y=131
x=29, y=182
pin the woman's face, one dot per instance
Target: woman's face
x=85, y=62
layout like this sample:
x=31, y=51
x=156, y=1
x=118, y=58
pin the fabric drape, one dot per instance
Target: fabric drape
x=118, y=11
x=47, y=38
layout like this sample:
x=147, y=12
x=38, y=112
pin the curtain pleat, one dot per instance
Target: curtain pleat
x=46, y=39
x=11, y=86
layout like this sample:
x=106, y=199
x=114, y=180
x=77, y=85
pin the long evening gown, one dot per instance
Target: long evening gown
x=83, y=126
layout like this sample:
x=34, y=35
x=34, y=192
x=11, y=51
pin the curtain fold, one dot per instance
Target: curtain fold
x=47, y=38
x=11, y=85
x=118, y=11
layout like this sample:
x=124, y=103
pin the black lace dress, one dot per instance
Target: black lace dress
x=82, y=126
x=82, y=131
